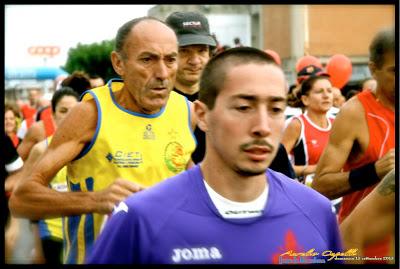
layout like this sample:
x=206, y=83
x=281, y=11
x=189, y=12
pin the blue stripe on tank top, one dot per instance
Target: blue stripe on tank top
x=42, y=224
x=43, y=229
x=73, y=224
x=89, y=223
x=87, y=147
x=64, y=251
x=190, y=121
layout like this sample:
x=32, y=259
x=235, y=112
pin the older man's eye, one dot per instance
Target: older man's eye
x=146, y=60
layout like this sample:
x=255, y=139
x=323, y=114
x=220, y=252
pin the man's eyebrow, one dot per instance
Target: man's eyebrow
x=277, y=99
x=146, y=54
x=172, y=54
x=152, y=54
x=251, y=97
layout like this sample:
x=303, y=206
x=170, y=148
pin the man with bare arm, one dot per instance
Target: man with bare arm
x=230, y=208
x=122, y=137
x=361, y=147
x=380, y=211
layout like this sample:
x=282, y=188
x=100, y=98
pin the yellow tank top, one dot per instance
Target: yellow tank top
x=53, y=227
x=138, y=147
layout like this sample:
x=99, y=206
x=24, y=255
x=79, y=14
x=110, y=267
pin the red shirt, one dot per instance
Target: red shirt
x=47, y=117
x=28, y=111
x=15, y=140
x=312, y=141
x=380, y=120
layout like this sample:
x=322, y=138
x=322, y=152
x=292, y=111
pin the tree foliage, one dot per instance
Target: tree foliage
x=92, y=58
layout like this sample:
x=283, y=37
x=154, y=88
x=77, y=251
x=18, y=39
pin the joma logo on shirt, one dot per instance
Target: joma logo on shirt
x=195, y=254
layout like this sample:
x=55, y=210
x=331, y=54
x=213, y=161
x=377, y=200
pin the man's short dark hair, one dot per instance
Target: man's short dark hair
x=124, y=31
x=59, y=94
x=383, y=42
x=214, y=73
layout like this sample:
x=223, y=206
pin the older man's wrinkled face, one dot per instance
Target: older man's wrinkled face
x=149, y=65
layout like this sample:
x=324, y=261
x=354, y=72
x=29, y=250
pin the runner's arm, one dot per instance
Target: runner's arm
x=379, y=208
x=34, y=200
x=34, y=134
x=329, y=179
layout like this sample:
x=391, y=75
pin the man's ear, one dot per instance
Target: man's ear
x=201, y=110
x=117, y=63
x=372, y=68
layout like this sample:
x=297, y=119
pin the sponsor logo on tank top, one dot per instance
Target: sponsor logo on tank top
x=148, y=133
x=195, y=254
x=174, y=153
x=125, y=159
x=174, y=157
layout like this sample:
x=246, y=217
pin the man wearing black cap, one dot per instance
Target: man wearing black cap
x=195, y=46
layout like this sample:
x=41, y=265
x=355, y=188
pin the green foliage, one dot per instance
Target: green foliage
x=92, y=58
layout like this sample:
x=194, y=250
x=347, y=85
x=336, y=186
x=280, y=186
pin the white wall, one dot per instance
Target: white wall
x=227, y=27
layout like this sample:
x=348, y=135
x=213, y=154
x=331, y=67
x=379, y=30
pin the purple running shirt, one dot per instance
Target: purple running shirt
x=175, y=222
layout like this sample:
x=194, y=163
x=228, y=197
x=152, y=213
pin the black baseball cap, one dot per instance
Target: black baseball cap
x=191, y=28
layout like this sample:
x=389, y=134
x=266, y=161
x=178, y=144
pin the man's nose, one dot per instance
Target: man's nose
x=261, y=125
x=161, y=71
x=194, y=58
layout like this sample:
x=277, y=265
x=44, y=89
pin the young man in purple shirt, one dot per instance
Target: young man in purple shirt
x=230, y=208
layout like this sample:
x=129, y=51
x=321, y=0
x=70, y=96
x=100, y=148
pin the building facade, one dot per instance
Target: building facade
x=324, y=30
x=297, y=30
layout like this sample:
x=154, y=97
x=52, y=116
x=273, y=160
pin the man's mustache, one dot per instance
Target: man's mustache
x=263, y=143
